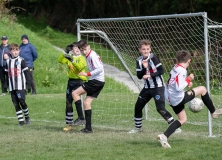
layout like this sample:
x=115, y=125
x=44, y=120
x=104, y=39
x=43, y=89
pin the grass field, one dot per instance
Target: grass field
x=44, y=138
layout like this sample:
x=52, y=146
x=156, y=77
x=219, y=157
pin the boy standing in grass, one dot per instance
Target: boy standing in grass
x=150, y=69
x=76, y=63
x=18, y=76
x=95, y=84
x=177, y=97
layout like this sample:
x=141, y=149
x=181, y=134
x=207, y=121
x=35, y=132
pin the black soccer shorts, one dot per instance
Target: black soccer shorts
x=93, y=87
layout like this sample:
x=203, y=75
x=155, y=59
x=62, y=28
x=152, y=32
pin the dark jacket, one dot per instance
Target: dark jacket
x=3, y=50
x=28, y=52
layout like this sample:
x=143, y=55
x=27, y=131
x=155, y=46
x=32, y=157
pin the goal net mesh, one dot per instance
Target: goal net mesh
x=116, y=41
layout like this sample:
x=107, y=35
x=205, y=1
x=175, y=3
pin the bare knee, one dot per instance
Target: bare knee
x=87, y=104
x=182, y=121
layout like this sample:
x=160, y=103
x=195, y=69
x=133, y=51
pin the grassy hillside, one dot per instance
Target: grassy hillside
x=49, y=74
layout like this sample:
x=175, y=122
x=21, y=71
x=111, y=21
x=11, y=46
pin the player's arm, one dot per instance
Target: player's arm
x=80, y=63
x=98, y=66
x=63, y=60
x=140, y=70
x=26, y=72
x=159, y=67
x=181, y=81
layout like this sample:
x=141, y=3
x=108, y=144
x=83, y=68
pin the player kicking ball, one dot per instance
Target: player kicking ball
x=177, y=97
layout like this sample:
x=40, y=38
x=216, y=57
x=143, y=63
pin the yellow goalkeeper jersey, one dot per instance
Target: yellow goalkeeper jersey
x=74, y=68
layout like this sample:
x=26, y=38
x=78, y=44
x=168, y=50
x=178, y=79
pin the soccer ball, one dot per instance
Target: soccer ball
x=196, y=105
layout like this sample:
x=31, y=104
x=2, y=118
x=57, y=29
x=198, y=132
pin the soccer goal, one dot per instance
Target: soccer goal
x=116, y=41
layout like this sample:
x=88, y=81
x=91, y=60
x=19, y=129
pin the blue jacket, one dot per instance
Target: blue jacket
x=28, y=52
x=3, y=50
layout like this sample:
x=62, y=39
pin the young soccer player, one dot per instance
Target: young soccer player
x=76, y=63
x=150, y=69
x=177, y=97
x=18, y=76
x=93, y=86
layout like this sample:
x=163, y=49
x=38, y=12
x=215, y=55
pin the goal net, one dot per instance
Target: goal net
x=116, y=41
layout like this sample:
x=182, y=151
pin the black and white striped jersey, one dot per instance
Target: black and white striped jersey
x=15, y=68
x=155, y=70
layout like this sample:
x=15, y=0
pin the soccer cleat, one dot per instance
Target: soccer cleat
x=79, y=122
x=3, y=94
x=27, y=121
x=178, y=130
x=216, y=113
x=163, y=140
x=135, y=130
x=85, y=130
x=21, y=123
x=68, y=128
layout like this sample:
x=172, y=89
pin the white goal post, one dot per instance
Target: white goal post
x=116, y=41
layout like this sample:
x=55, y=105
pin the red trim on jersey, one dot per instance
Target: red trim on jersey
x=88, y=74
x=188, y=80
x=88, y=53
x=180, y=65
x=177, y=79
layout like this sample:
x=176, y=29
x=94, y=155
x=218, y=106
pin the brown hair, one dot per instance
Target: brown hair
x=82, y=44
x=183, y=56
x=14, y=46
x=144, y=42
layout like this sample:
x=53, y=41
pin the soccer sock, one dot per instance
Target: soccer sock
x=69, y=117
x=26, y=112
x=19, y=116
x=138, y=122
x=166, y=115
x=172, y=127
x=88, y=114
x=79, y=109
x=208, y=102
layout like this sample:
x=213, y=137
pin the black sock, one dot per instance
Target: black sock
x=79, y=109
x=88, y=115
x=208, y=102
x=172, y=127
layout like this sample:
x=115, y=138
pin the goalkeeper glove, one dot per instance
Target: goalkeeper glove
x=69, y=48
x=67, y=56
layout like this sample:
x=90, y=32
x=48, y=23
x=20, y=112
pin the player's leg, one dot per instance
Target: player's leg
x=77, y=93
x=158, y=96
x=93, y=89
x=21, y=98
x=142, y=99
x=163, y=138
x=80, y=119
x=88, y=114
x=201, y=90
x=18, y=110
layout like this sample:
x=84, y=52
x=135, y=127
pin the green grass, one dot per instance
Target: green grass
x=44, y=138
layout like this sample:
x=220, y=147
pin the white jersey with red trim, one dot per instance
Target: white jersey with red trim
x=174, y=88
x=95, y=66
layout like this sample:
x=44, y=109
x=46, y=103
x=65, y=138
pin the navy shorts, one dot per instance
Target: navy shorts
x=72, y=85
x=93, y=87
x=188, y=96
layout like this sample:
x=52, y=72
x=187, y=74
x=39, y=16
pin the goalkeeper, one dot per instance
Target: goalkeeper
x=76, y=63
